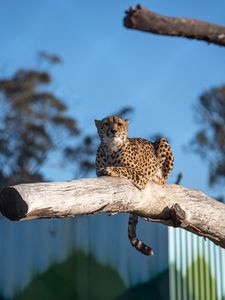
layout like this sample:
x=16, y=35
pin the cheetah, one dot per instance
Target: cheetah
x=137, y=159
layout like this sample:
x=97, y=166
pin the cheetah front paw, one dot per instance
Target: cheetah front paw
x=102, y=172
x=109, y=171
x=112, y=171
x=158, y=180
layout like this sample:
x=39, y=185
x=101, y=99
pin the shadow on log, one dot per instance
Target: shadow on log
x=12, y=205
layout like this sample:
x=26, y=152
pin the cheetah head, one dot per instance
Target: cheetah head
x=112, y=130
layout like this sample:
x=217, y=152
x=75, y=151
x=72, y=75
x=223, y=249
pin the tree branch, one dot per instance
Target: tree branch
x=145, y=20
x=170, y=204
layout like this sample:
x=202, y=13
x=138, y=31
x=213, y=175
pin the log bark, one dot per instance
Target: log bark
x=143, y=19
x=171, y=204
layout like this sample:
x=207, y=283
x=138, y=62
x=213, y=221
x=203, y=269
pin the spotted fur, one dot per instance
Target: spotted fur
x=137, y=159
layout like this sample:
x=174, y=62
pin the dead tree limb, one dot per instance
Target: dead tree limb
x=171, y=204
x=143, y=19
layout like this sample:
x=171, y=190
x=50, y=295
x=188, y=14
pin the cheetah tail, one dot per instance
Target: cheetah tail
x=139, y=245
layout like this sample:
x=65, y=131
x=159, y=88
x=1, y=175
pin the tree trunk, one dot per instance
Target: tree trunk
x=171, y=204
x=145, y=20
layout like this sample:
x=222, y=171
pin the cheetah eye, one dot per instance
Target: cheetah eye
x=120, y=124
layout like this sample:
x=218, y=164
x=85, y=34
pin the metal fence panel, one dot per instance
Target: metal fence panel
x=196, y=267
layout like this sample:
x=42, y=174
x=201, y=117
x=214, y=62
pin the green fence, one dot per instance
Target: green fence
x=196, y=267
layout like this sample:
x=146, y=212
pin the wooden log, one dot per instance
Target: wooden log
x=143, y=19
x=171, y=204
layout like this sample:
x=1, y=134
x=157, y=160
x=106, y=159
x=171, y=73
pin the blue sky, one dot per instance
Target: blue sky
x=107, y=66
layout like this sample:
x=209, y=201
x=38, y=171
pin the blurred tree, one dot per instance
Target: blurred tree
x=50, y=58
x=209, y=141
x=33, y=122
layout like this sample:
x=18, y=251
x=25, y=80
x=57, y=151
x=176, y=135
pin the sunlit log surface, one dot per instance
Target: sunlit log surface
x=143, y=19
x=171, y=204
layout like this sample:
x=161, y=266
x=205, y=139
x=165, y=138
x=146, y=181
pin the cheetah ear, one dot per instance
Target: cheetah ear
x=127, y=121
x=98, y=123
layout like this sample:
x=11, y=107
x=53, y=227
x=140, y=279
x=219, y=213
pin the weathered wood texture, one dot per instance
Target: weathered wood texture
x=145, y=20
x=171, y=204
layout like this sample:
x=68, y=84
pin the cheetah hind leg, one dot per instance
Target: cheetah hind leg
x=165, y=157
